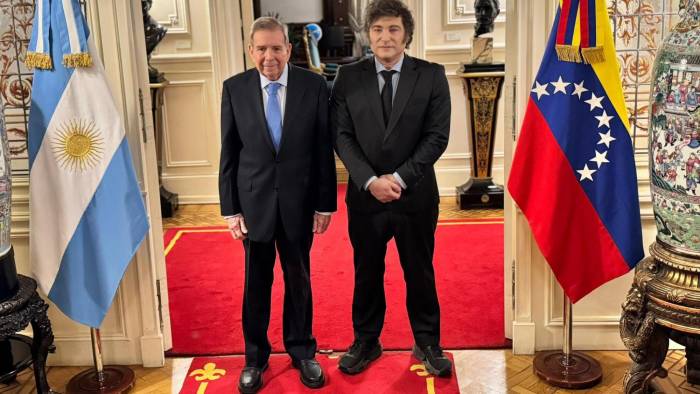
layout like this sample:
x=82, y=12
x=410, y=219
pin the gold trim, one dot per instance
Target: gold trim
x=481, y=74
x=677, y=326
x=38, y=60
x=593, y=55
x=673, y=250
x=676, y=307
x=569, y=53
x=73, y=60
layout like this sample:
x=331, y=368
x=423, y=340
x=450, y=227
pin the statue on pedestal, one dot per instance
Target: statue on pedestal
x=482, y=47
x=483, y=82
x=155, y=32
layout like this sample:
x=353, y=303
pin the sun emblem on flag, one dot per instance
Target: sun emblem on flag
x=78, y=145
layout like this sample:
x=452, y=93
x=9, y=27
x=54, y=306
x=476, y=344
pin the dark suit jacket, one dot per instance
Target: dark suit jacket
x=416, y=135
x=255, y=180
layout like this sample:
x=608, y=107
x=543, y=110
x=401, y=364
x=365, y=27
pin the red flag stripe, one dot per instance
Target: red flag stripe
x=584, y=23
x=564, y=223
x=563, y=15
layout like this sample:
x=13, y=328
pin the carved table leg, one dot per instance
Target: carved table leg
x=692, y=355
x=646, y=363
x=43, y=338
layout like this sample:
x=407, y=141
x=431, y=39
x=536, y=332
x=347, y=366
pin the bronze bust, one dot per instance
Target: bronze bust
x=154, y=32
x=486, y=12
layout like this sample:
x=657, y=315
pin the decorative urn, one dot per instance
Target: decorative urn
x=664, y=301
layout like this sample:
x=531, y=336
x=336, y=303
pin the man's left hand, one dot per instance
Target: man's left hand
x=321, y=223
x=391, y=178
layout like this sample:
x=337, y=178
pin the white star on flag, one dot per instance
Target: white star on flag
x=606, y=139
x=604, y=119
x=586, y=173
x=578, y=89
x=560, y=86
x=594, y=101
x=600, y=158
x=541, y=90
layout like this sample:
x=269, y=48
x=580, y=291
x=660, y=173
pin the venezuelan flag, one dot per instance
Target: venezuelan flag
x=573, y=173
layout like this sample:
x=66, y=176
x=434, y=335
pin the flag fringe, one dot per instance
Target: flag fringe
x=568, y=53
x=593, y=55
x=73, y=60
x=38, y=60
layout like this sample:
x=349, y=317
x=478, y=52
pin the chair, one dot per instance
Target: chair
x=312, y=35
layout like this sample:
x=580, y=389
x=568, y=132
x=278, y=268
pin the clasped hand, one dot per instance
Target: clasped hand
x=385, y=188
x=238, y=229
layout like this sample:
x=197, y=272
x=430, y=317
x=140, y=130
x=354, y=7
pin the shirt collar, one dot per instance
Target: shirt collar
x=282, y=80
x=380, y=67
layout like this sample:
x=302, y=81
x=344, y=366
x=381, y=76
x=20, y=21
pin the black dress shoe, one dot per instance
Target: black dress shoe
x=251, y=379
x=360, y=354
x=310, y=372
x=433, y=359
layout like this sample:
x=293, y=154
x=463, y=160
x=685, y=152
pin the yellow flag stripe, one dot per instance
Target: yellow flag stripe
x=608, y=72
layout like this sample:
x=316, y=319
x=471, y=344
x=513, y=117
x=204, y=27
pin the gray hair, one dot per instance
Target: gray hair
x=268, y=23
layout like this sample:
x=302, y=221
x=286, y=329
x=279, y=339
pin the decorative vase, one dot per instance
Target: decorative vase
x=674, y=143
x=664, y=301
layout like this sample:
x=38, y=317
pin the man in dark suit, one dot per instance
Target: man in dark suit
x=391, y=114
x=277, y=187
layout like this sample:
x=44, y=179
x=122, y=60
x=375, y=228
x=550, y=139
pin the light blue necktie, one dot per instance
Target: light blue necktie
x=274, y=114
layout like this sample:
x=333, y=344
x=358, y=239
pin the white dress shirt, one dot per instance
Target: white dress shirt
x=281, y=99
x=394, y=85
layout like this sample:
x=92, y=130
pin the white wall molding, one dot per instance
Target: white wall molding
x=170, y=161
x=458, y=49
x=173, y=14
x=461, y=12
x=168, y=58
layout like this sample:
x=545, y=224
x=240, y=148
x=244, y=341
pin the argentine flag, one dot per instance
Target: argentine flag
x=87, y=213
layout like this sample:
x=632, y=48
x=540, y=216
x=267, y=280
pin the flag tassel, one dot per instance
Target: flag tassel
x=38, y=60
x=568, y=53
x=81, y=59
x=593, y=55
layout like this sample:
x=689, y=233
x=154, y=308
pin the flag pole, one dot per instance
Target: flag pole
x=113, y=379
x=97, y=354
x=567, y=368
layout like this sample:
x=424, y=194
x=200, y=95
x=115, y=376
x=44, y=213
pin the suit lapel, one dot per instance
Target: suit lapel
x=370, y=84
x=258, y=107
x=407, y=81
x=293, y=101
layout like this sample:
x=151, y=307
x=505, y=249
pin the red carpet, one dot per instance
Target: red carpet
x=205, y=269
x=393, y=373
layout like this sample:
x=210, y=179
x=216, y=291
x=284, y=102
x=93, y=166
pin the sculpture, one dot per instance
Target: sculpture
x=482, y=47
x=154, y=33
x=486, y=12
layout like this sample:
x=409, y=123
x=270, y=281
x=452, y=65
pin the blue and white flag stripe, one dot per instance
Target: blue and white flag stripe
x=87, y=212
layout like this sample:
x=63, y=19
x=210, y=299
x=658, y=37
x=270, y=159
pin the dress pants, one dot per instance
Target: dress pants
x=297, y=314
x=414, y=234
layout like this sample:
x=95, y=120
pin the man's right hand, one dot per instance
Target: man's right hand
x=237, y=227
x=385, y=190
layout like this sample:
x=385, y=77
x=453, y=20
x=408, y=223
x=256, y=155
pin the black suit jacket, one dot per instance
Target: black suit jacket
x=416, y=135
x=254, y=179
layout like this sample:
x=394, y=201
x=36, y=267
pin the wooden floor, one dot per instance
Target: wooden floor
x=478, y=371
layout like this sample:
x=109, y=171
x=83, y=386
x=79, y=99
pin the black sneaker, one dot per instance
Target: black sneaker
x=433, y=359
x=360, y=354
